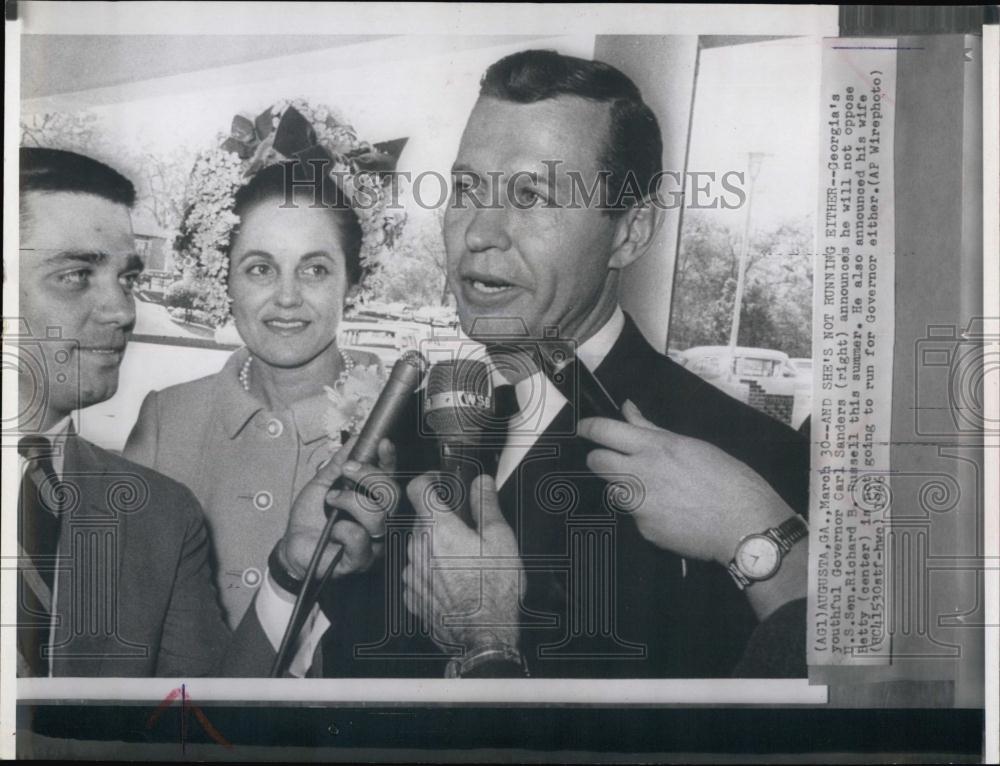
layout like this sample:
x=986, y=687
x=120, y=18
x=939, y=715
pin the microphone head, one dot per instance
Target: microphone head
x=415, y=360
x=458, y=400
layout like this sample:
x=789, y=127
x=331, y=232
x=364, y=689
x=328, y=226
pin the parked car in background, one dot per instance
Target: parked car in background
x=763, y=378
x=803, y=389
x=375, y=337
x=803, y=364
x=438, y=316
x=387, y=340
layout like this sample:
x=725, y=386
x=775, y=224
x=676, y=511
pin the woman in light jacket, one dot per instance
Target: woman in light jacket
x=247, y=439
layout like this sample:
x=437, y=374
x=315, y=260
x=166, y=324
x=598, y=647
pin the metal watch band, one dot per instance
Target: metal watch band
x=789, y=532
x=785, y=535
x=742, y=581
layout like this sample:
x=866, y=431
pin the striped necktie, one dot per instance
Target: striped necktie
x=38, y=541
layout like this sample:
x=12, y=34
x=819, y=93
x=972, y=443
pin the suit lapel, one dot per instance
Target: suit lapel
x=87, y=533
x=629, y=356
x=559, y=452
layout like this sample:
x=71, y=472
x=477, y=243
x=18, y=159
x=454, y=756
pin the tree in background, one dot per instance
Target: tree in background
x=417, y=270
x=777, y=301
x=182, y=294
x=160, y=180
x=71, y=131
x=159, y=177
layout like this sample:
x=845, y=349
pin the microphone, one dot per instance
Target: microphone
x=403, y=381
x=390, y=405
x=458, y=407
x=577, y=383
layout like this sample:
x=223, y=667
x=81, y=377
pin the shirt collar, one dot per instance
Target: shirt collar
x=57, y=436
x=591, y=352
x=60, y=430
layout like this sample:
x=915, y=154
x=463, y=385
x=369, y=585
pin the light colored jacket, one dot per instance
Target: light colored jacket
x=244, y=463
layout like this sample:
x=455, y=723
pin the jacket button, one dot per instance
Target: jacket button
x=262, y=501
x=275, y=428
x=251, y=577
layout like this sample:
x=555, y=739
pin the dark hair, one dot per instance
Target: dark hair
x=275, y=182
x=634, y=145
x=55, y=170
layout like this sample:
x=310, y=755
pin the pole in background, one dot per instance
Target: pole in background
x=754, y=160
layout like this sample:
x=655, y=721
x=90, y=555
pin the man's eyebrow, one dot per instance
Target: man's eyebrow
x=78, y=256
x=133, y=261
x=461, y=167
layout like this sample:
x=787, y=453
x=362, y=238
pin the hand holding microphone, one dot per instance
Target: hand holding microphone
x=460, y=606
x=318, y=546
x=353, y=484
x=360, y=494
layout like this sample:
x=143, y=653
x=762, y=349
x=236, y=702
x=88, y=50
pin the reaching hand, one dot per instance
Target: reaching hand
x=363, y=504
x=699, y=501
x=467, y=584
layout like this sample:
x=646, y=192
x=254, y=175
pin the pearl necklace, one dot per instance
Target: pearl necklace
x=245, y=370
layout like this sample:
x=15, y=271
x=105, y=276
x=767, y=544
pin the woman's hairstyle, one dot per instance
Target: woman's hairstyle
x=634, y=145
x=290, y=150
x=284, y=181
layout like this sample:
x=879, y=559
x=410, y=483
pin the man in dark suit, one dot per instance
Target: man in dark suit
x=575, y=580
x=113, y=558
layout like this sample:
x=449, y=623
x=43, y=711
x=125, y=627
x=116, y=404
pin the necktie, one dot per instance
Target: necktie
x=505, y=407
x=38, y=537
x=505, y=404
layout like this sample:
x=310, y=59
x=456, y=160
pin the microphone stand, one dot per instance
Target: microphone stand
x=309, y=595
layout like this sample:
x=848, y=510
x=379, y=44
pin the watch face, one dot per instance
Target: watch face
x=758, y=557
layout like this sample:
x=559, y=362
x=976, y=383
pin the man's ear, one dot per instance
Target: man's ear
x=634, y=231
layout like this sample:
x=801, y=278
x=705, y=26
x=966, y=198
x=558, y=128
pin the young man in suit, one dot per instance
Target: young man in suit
x=113, y=558
x=572, y=584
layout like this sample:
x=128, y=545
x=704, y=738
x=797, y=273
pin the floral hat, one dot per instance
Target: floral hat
x=286, y=130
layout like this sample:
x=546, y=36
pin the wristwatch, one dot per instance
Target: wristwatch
x=491, y=661
x=281, y=576
x=758, y=556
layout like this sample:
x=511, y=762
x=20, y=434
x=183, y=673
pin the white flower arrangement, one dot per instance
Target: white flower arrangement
x=206, y=229
x=352, y=398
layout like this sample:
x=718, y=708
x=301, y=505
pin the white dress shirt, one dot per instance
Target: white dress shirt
x=274, y=609
x=540, y=401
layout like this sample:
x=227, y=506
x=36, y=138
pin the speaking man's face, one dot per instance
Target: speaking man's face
x=525, y=253
x=78, y=268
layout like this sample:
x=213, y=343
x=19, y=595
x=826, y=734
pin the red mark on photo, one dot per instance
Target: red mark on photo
x=181, y=692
